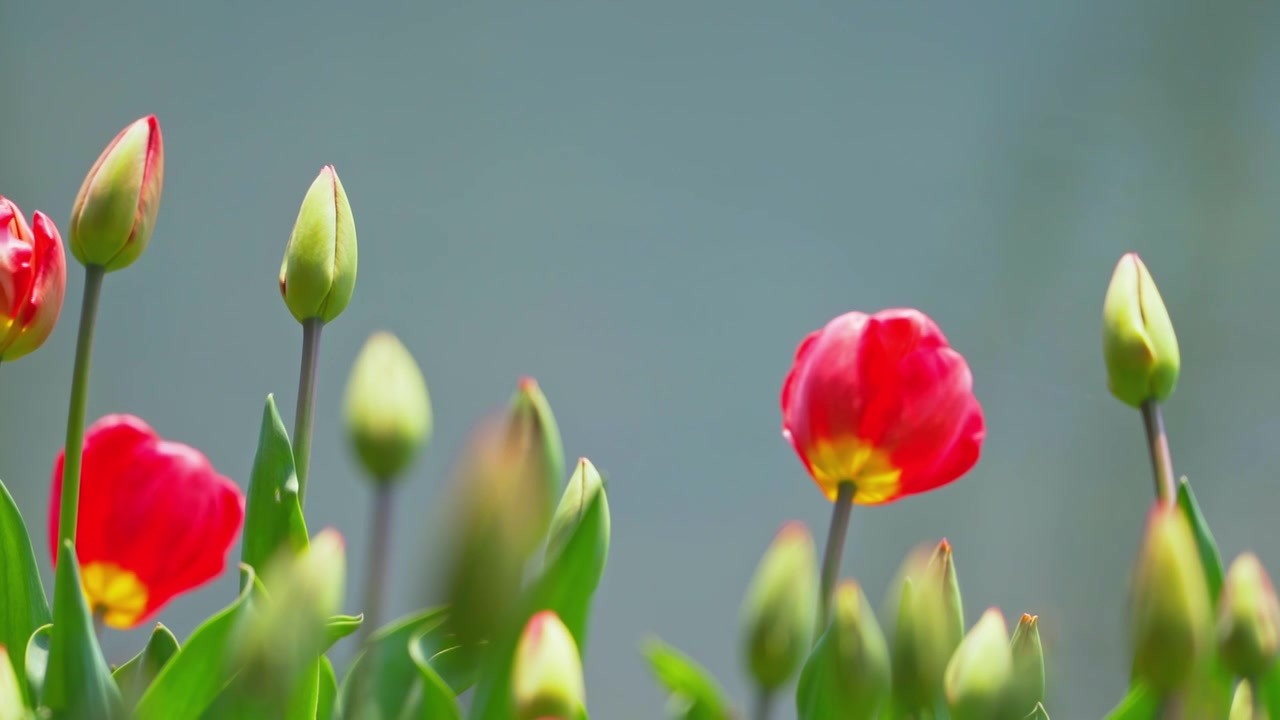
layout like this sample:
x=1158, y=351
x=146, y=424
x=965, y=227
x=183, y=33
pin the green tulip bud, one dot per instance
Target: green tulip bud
x=584, y=487
x=1242, y=707
x=979, y=677
x=533, y=431
x=1172, y=622
x=115, y=210
x=780, y=609
x=1028, y=666
x=846, y=677
x=388, y=408
x=929, y=627
x=547, y=675
x=318, y=275
x=1138, y=341
x=1248, y=619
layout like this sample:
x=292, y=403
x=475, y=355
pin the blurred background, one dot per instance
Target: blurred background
x=646, y=206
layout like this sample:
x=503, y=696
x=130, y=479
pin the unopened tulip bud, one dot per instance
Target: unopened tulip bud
x=1242, y=706
x=980, y=674
x=33, y=280
x=846, y=677
x=780, y=609
x=1172, y=622
x=388, y=408
x=1248, y=619
x=1138, y=342
x=585, y=487
x=115, y=211
x=1028, y=666
x=318, y=275
x=930, y=625
x=533, y=432
x=547, y=676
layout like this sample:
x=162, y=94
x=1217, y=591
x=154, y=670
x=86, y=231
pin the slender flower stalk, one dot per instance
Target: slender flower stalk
x=376, y=583
x=1161, y=458
x=764, y=705
x=70, y=506
x=840, y=511
x=304, y=417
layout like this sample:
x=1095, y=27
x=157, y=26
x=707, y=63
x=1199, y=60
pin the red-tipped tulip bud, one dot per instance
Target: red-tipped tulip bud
x=846, y=677
x=980, y=674
x=318, y=275
x=115, y=211
x=1248, y=619
x=547, y=676
x=388, y=408
x=1172, y=622
x=930, y=625
x=1028, y=666
x=33, y=280
x=779, y=611
x=1138, y=342
x=533, y=433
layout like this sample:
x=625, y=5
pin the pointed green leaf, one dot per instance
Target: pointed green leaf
x=23, y=606
x=273, y=514
x=327, y=696
x=693, y=693
x=191, y=680
x=306, y=694
x=1139, y=704
x=37, y=661
x=134, y=676
x=1204, y=539
x=77, y=681
x=338, y=627
x=439, y=702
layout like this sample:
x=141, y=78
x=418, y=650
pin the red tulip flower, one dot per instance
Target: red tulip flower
x=33, y=279
x=155, y=519
x=883, y=402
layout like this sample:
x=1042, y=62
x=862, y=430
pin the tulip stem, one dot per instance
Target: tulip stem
x=831, y=556
x=70, y=503
x=305, y=416
x=764, y=704
x=1161, y=459
x=376, y=583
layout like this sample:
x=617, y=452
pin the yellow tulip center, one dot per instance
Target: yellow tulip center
x=873, y=475
x=114, y=592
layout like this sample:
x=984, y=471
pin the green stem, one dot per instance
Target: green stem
x=99, y=621
x=379, y=547
x=1161, y=459
x=306, y=411
x=70, y=506
x=764, y=705
x=831, y=556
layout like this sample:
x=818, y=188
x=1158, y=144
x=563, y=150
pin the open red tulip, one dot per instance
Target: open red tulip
x=155, y=519
x=33, y=280
x=883, y=402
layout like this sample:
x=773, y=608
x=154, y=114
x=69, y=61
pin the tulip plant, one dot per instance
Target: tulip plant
x=878, y=407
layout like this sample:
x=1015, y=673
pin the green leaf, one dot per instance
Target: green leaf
x=37, y=661
x=1038, y=714
x=566, y=586
x=134, y=676
x=23, y=606
x=273, y=514
x=693, y=693
x=327, y=696
x=77, y=681
x=438, y=699
x=191, y=681
x=338, y=627
x=306, y=694
x=1204, y=540
x=1139, y=704
x=12, y=704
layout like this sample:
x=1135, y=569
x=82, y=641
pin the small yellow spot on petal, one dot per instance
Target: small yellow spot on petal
x=115, y=592
x=853, y=460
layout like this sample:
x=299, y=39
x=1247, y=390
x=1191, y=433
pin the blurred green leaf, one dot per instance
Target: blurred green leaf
x=565, y=586
x=190, y=682
x=338, y=627
x=439, y=702
x=77, y=680
x=134, y=676
x=693, y=693
x=23, y=606
x=1038, y=714
x=1139, y=704
x=273, y=514
x=37, y=661
x=327, y=696
x=306, y=694
x=1213, y=572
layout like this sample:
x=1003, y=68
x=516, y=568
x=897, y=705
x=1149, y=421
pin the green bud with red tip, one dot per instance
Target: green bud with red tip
x=1248, y=619
x=546, y=677
x=115, y=210
x=1028, y=665
x=534, y=434
x=1171, y=616
x=979, y=677
x=1138, y=342
x=387, y=407
x=846, y=677
x=318, y=274
x=929, y=627
x=779, y=612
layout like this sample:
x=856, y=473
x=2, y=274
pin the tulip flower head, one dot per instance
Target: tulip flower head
x=883, y=402
x=33, y=280
x=155, y=519
x=318, y=274
x=115, y=211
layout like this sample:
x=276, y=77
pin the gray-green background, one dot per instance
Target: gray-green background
x=645, y=206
